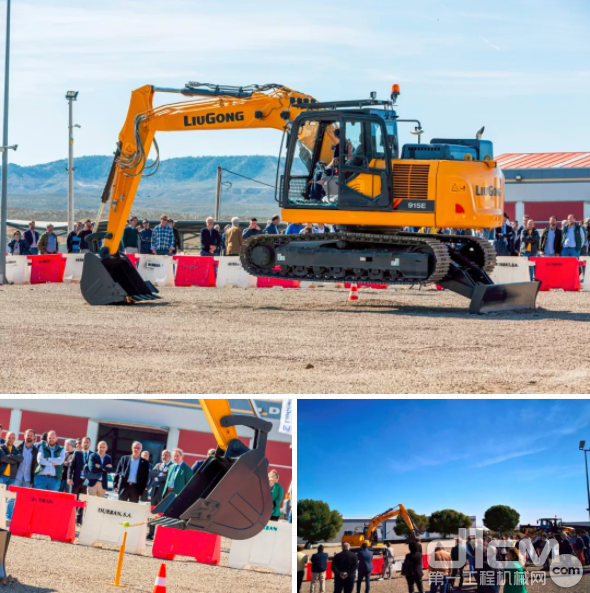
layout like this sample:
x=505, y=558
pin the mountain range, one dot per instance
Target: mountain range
x=185, y=184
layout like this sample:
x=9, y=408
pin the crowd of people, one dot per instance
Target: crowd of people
x=229, y=241
x=78, y=469
x=164, y=239
x=446, y=569
x=569, y=240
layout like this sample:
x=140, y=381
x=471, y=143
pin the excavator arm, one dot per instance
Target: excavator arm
x=229, y=494
x=400, y=509
x=113, y=279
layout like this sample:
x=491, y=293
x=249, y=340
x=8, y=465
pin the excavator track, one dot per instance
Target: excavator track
x=407, y=242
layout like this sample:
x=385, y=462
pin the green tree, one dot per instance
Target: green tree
x=420, y=521
x=501, y=518
x=448, y=521
x=316, y=522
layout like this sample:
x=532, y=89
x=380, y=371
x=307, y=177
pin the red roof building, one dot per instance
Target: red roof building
x=544, y=184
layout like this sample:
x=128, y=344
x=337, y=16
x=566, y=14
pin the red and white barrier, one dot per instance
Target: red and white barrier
x=192, y=270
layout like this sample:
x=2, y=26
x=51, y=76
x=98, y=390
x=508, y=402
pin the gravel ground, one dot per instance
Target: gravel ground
x=399, y=585
x=42, y=566
x=226, y=341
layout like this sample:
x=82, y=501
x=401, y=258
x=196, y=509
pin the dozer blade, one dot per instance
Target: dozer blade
x=492, y=298
x=113, y=279
x=234, y=502
x=4, y=541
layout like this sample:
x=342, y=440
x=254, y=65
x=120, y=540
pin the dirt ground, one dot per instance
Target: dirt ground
x=261, y=341
x=398, y=583
x=42, y=566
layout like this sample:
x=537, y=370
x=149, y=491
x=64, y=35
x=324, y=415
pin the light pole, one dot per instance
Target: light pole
x=582, y=445
x=71, y=96
x=5, y=148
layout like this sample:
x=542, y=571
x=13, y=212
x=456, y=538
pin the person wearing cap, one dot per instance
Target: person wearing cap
x=252, y=230
x=70, y=450
x=48, y=243
x=234, y=238
x=145, y=238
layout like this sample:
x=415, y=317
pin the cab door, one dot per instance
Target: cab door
x=364, y=175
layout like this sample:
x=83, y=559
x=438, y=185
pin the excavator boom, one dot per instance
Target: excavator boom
x=229, y=494
x=357, y=539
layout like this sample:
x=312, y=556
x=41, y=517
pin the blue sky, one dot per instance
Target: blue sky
x=364, y=456
x=519, y=67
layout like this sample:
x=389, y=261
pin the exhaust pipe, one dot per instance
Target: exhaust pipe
x=113, y=279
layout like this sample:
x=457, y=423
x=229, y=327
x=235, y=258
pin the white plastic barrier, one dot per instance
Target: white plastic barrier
x=5, y=496
x=74, y=264
x=271, y=548
x=18, y=269
x=158, y=269
x=511, y=269
x=586, y=274
x=103, y=523
x=231, y=273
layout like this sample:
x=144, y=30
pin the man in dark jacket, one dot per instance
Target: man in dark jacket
x=97, y=470
x=319, y=566
x=344, y=567
x=10, y=459
x=145, y=237
x=87, y=230
x=415, y=572
x=177, y=240
x=529, y=240
x=158, y=476
x=272, y=228
x=18, y=246
x=252, y=230
x=573, y=238
x=198, y=464
x=31, y=237
x=130, y=237
x=365, y=557
x=459, y=557
x=504, y=238
x=210, y=239
x=550, y=244
x=76, y=475
x=132, y=475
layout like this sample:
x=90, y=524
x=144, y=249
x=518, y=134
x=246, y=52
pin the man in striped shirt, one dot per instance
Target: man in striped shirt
x=163, y=238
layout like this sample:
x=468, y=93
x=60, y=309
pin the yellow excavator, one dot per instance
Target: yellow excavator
x=369, y=532
x=229, y=494
x=343, y=167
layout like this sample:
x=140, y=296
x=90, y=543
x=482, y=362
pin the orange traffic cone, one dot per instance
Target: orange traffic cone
x=354, y=292
x=160, y=584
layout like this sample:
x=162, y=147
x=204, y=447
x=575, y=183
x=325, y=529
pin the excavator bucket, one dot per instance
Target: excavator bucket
x=230, y=494
x=113, y=279
x=493, y=298
x=4, y=541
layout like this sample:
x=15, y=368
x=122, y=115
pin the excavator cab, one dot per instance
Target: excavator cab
x=229, y=495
